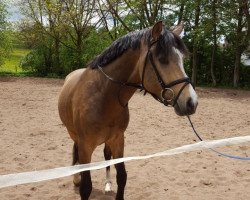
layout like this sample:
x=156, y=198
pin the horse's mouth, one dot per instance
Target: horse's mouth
x=178, y=110
x=183, y=112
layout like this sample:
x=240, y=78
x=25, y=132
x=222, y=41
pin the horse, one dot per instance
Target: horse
x=93, y=102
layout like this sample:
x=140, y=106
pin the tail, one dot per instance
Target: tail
x=77, y=178
x=75, y=154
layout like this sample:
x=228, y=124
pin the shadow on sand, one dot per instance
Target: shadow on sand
x=99, y=194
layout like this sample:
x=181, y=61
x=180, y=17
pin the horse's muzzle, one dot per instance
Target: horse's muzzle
x=188, y=109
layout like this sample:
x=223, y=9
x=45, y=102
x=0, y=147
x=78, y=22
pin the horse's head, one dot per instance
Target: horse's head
x=162, y=72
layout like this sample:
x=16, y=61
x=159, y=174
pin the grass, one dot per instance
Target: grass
x=12, y=63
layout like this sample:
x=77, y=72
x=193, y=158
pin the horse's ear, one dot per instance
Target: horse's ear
x=178, y=29
x=156, y=30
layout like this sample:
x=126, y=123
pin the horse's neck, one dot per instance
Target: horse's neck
x=124, y=69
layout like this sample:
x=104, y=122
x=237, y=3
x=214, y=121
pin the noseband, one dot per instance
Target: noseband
x=166, y=88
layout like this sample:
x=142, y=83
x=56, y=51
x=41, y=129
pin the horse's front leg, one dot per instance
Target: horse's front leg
x=117, y=149
x=121, y=179
x=107, y=156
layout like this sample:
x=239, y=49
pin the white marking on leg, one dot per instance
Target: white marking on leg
x=108, y=182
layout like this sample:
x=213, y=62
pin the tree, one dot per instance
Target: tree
x=61, y=27
x=196, y=41
x=66, y=32
x=237, y=25
x=79, y=15
x=214, y=39
x=132, y=14
x=242, y=36
x=5, y=40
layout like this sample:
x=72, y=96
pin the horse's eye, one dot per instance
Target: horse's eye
x=162, y=59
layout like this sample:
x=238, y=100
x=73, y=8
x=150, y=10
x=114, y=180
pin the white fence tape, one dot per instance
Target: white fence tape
x=36, y=176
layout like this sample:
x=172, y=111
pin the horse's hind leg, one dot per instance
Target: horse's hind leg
x=85, y=151
x=77, y=178
x=117, y=149
x=107, y=156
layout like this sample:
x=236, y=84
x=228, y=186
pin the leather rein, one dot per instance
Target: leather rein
x=166, y=88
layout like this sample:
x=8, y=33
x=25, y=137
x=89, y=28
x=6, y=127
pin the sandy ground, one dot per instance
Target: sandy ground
x=32, y=138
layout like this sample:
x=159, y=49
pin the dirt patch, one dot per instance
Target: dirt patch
x=33, y=138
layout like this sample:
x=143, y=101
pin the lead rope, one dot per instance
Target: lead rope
x=219, y=153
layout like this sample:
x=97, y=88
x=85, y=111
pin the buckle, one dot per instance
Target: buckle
x=167, y=94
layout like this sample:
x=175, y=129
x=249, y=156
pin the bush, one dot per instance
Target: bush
x=43, y=59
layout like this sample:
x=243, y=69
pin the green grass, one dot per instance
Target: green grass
x=12, y=63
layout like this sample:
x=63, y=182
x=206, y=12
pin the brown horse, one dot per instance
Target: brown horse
x=93, y=102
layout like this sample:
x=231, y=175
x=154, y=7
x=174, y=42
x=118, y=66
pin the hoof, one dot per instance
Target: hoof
x=77, y=180
x=76, y=184
x=108, y=187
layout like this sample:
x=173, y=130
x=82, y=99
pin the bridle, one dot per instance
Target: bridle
x=166, y=88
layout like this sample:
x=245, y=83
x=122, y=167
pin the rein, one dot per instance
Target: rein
x=166, y=88
x=219, y=153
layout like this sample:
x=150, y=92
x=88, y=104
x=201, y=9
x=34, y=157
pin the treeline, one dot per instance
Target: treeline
x=65, y=34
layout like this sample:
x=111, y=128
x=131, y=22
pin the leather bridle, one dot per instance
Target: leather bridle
x=166, y=88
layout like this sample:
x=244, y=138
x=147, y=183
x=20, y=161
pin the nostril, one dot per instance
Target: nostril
x=190, y=104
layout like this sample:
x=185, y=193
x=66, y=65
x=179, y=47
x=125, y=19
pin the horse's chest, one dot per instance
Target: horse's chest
x=107, y=119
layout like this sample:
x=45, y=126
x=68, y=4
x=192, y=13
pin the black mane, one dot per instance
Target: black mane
x=117, y=48
x=132, y=40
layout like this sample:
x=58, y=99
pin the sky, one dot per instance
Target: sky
x=14, y=12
